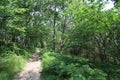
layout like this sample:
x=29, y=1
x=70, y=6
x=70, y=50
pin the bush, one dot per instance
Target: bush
x=10, y=65
x=70, y=67
x=113, y=71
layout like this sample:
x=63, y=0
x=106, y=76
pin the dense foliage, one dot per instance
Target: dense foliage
x=70, y=68
x=59, y=67
x=10, y=65
x=83, y=28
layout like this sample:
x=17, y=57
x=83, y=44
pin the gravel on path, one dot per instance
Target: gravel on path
x=32, y=69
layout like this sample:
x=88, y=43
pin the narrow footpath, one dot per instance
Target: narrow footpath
x=32, y=69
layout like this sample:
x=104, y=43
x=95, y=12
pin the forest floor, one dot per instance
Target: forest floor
x=32, y=69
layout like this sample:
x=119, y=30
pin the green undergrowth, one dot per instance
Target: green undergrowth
x=12, y=60
x=67, y=67
x=112, y=70
x=10, y=65
x=26, y=52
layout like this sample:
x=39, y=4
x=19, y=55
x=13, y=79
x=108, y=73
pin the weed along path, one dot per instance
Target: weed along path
x=32, y=69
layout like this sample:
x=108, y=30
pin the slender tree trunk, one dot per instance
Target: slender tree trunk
x=54, y=31
x=41, y=42
x=63, y=32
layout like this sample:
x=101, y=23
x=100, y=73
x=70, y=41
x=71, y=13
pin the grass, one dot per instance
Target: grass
x=10, y=65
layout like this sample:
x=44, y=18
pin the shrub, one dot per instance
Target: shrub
x=113, y=71
x=70, y=67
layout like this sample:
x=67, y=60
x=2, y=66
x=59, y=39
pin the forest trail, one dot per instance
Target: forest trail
x=32, y=69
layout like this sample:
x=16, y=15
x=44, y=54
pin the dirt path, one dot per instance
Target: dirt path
x=32, y=69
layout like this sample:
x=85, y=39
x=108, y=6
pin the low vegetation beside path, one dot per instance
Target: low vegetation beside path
x=10, y=65
x=68, y=67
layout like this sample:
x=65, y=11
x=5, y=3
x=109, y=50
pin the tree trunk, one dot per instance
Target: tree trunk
x=54, y=31
x=63, y=32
